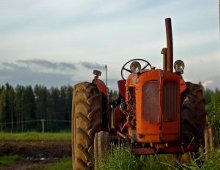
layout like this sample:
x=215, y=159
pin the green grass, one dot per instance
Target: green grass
x=213, y=161
x=35, y=136
x=120, y=158
x=7, y=160
x=63, y=164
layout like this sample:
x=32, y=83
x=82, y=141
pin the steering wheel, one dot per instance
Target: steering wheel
x=147, y=64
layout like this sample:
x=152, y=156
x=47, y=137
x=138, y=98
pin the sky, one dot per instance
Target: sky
x=60, y=42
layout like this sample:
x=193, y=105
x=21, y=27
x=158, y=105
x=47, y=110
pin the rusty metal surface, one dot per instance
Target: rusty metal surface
x=151, y=101
x=161, y=131
x=169, y=44
x=170, y=100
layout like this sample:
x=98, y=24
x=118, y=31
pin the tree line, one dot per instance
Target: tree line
x=25, y=108
x=212, y=99
x=22, y=108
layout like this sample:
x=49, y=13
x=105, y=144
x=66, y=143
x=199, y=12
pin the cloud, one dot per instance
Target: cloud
x=40, y=71
x=22, y=72
x=206, y=83
x=28, y=77
x=33, y=64
x=111, y=31
x=13, y=66
x=39, y=62
x=211, y=82
x=92, y=65
x=67, y=65
x=47, y=64
x=56, y=65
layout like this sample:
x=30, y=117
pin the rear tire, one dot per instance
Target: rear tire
x=86, y=121
x=193, y=116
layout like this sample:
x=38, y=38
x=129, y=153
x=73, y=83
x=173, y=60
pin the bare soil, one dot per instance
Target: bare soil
x=36, y=149
x=28, y=164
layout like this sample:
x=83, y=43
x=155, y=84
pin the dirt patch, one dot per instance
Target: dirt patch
x=28, y=165
x=36, y=149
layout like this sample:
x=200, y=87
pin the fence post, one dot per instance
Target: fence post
x=22, y=125
x=211, y=140
x=42, y=125
x=101, y=147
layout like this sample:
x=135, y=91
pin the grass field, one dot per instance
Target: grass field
x=9, y=159
x=63, y=164
x=121, y=158
x=35, y=136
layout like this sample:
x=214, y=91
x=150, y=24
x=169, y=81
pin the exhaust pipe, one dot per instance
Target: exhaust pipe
x=169, y=51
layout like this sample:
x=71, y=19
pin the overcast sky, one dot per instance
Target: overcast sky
x=59, y=42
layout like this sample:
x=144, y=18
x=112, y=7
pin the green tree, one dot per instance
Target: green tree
x=213, y=109
x=69, y=91
x=11, y=106
x=29, y=108
x=41, y=104
x=7, y=114
x=113, y=94
x=19, y=108
x=21, y=105
x=53, y=109
x=2, y=108
x=207, y=94
x=66, y=105
x=41, y=101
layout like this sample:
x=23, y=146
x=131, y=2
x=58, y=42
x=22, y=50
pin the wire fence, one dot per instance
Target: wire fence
x=39, y=125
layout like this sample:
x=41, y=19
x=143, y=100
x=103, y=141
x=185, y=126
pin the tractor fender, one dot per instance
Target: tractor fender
x=101, y=86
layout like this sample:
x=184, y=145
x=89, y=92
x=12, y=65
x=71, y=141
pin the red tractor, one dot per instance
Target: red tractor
x=156, y=111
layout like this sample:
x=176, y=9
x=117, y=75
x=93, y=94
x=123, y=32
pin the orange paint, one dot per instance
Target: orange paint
x=160, y=130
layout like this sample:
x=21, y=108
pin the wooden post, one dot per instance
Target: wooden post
x=22, y=125
x=206, y=140
x=211, y=140
x=42, y=125
x=214, y=138
x=101, y=147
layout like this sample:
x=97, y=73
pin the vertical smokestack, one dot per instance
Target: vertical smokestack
x=169, y=44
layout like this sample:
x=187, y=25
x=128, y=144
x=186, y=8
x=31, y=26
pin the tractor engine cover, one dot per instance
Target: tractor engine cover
x=158, y=107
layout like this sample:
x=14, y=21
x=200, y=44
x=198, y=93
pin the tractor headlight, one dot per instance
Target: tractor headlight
x=179, y=66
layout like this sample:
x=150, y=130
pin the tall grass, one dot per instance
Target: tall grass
x=121, y=158
x=213, y=162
